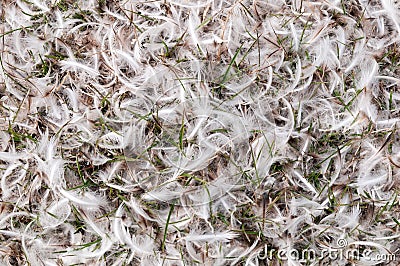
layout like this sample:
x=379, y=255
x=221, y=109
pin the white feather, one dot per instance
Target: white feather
x=222, y=236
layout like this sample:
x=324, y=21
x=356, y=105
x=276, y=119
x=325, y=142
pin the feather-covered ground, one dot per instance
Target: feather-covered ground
x=190, y=132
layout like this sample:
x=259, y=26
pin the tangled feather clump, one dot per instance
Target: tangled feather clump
x=198, y=132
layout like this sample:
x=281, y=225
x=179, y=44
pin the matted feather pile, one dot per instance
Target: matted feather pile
x=191, y=132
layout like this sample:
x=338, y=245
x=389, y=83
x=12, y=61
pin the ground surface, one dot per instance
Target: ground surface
x=199, y=132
